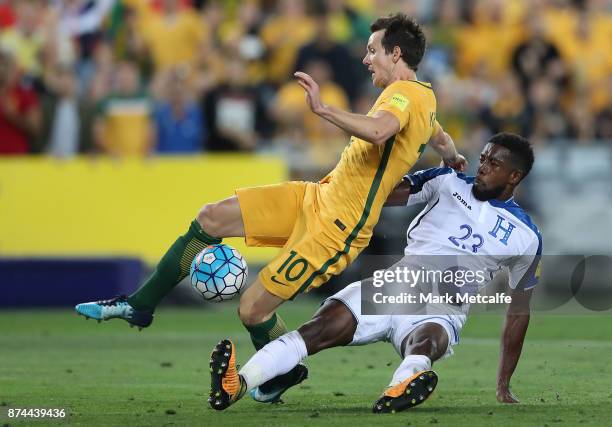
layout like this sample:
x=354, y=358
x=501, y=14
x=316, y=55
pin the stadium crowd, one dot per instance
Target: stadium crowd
x=139, y=77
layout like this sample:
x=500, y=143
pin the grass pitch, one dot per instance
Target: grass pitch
x=109, y=374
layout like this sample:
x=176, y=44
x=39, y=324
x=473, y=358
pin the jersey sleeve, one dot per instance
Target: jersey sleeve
x=525, y=270
x=425, y=184
x=437, y=128
x=396, y=100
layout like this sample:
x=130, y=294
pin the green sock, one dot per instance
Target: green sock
x=263, y=333
x=172, y=268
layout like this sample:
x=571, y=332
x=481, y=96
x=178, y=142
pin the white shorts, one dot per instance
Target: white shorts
x=393, y=328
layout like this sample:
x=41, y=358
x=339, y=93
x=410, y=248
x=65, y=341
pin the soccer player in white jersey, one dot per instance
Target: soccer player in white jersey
x=472, y=216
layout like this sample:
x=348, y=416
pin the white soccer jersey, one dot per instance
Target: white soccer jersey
x=454, y=222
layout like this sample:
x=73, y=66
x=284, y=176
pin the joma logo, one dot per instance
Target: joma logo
x=463, y=202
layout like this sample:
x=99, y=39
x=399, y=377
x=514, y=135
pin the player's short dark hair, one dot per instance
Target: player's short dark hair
x=519, y=147
x=402, y=31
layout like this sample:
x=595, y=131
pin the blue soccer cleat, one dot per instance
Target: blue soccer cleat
x=271, y=391
x=115, y=308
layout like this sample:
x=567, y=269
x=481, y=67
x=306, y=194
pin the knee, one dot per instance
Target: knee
x=429, y=340
x=250, y=314
x=209, y=218
x=423, y=345
x=431, y=346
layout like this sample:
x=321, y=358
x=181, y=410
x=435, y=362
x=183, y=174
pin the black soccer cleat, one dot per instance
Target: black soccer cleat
x=407, y=394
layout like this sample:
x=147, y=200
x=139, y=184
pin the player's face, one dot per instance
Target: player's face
x=495, y=173
x=379, y=63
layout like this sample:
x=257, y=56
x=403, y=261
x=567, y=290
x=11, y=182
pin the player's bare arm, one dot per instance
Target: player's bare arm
x=375, y=129
x=443, y=144
x=513, y=336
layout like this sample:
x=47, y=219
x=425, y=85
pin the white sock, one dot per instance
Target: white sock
x=412, y=364
x=275, y=358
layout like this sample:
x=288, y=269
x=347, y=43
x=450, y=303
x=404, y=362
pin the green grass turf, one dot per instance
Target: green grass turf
x=109, y=374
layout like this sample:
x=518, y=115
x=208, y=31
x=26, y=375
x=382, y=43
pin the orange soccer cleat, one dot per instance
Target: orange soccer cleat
x=410, y=392
x=226, y=386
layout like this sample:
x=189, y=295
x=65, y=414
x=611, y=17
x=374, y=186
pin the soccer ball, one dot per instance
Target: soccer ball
x=218, y=273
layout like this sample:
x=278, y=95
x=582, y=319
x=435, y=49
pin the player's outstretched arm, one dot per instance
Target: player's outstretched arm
x=513, y=336
x=376, y=129
x=443, y=144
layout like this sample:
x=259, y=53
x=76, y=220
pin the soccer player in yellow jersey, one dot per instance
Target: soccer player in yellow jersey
x=323, y=226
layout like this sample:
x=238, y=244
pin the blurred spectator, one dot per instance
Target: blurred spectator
x=128, y=42
x=234, y=111
x=80, y=22
x=123, y=126
x=538, y=67
x=337, y=56
x=7, y=14
x=171, y=35
x=603, y=120
x=442, y=41
x=84, y=17
x=604, y=124
x=242, y=35
x=62, y=113
x=547, y=118
x=60, y=47
x=340, y=19
x=178, y=117
x=103, y=67
x=507, y=113
x=215, y=16
x=283, y=34
x=26, y=40
x=20, y=114
x=123, y=31
x=357, y=15
x=481, y=44
x=208, y=69
x=587, y=51
x=294, y=116
x=244, y=30
x=581, y=120
x=317, y=142
x=536, y=56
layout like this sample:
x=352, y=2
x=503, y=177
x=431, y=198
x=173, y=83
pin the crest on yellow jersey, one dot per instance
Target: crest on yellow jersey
x=399, y=101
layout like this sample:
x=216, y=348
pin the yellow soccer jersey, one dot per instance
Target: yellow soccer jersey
x=352, y=195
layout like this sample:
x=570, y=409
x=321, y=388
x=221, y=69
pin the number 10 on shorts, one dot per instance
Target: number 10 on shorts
x=293, y=268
